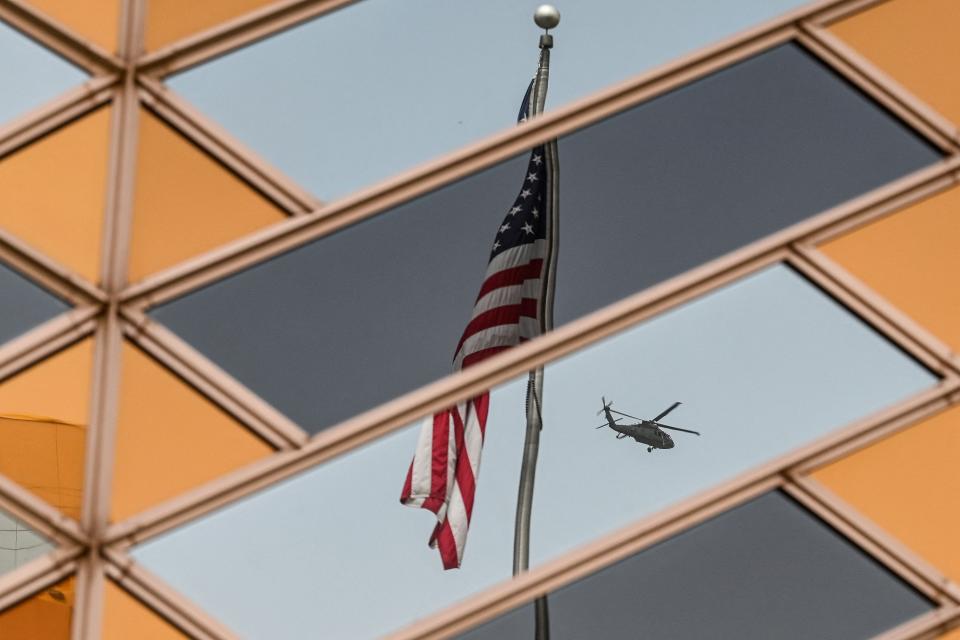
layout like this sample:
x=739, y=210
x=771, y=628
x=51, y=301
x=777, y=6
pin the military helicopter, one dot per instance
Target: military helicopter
x=648, y=432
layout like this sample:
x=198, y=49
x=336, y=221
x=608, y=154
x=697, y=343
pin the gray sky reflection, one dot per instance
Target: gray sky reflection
x=380, y=86
x=763, y=366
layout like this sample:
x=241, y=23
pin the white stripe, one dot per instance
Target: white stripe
x=516, y=256
x=507, y=296
x=502, y=335
x=421, y=478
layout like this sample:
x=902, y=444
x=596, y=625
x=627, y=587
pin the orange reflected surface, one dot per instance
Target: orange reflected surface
x=44, y=616
x=124, y=617
x=915, y=42
x=911, y=259
x=170, y=438
x=95, y=20
x=170, y=20
x=908, y=484
x=46, y=455
x=52, y=192
x=185, y=201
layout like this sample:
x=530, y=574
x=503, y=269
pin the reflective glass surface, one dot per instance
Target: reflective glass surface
x=170, y=20
x=97, y=20
x=376, y=310
x=920, y=281
x=169, y=438
x=65, y=223
x=914, y=42
x=765, y=569
x=763, y=366
x=125, y=617
x=19, y=544
x=45, y=615
x=43, y=415
x=179, y=187
x=908, y=484
x=26, y=304
x=38, y=76
x=367, y=91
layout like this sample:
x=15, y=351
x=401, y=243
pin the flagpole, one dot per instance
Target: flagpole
x=546, y=17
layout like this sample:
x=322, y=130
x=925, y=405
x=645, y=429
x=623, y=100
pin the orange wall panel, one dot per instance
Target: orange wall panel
x=170, y=20
x=915, y=42
x=44, y=616
x=46, y=457
x=185, y=202
x=908, y=484
x=95, y=20
x=911, y=259
x=124, y=617
x=169, y=437
x=52, y=192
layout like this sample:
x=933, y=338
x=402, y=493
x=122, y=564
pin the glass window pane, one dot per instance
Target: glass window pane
x=369, y=90
x=45, y=615
x=645, y=195
x=126, y=617
x=38, y=76
x=170, y=20
x=764, y=366
x=65, y=222
x=19, y=544
x=908, y=484
x=180, y=187
x=43, y=417
x=921, y=281
x=27, y=305
x=756, y=571
x=913, y=41
x=97, y=20
x=169, y=437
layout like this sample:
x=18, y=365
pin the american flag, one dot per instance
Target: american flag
x=508, y=311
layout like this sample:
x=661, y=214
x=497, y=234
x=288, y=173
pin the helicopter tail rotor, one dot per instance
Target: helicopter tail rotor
x=606, y=405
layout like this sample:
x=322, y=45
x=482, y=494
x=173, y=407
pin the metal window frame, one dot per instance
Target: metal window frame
x=112, y=310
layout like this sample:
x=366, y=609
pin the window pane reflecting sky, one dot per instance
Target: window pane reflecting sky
x=376, y=310
x=38, y=75
x=763, y=366
x=361, y=94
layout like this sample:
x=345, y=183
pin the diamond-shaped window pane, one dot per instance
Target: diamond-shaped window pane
x=376, y=310
x=355, y=96
x=25, y=304
x=763, y=366
x=37, y=76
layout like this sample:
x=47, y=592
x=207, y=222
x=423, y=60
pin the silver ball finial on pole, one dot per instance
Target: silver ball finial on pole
x=547, y=17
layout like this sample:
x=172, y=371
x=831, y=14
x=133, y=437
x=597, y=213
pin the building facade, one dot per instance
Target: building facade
x=239, y=240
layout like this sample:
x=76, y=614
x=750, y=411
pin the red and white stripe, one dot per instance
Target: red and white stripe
x=446, y=464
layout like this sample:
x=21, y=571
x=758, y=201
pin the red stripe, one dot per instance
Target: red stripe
x=405, y=494
x=443, y=538
x=498, y=316
x=512, y=276
x=464, y=472
x=480, y=356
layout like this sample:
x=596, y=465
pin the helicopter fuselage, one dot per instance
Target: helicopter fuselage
x=646, y=432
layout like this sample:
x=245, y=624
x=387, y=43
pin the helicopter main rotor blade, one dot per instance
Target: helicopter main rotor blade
x=664, y=414
x=666, y=426
x=627, y=415
x=607, y=424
